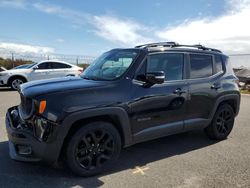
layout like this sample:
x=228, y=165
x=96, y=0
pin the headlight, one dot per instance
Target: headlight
x=3, y=74
x=42, y=128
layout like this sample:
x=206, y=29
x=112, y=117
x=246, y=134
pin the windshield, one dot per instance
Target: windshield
x=110, y=66
x=31, y=65
x=22, y=66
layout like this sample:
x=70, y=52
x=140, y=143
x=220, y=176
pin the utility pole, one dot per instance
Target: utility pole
x=12, y=59
x=76, y=60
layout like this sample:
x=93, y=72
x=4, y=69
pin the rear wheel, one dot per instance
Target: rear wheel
x=16, y=82
x=222, y=123
x=93, y=148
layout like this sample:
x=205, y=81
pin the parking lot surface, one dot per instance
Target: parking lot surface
x=184, y=160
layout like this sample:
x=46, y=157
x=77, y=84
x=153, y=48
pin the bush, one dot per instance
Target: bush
x=84, y=66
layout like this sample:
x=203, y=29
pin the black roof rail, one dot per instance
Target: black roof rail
x=163, y=44
x=198, y=46
x=174, y=44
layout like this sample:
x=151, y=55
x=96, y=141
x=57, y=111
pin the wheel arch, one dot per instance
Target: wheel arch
x=232, y=99
x=16, y=76
x=115, y=115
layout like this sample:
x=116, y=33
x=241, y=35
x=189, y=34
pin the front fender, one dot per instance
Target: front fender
x=118, y=112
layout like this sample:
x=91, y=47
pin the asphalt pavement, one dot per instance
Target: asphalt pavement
x=183, y=160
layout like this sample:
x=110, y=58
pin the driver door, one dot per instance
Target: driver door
x=42, y=71
x=160, y=109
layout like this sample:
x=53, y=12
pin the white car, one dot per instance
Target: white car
x=37, y=71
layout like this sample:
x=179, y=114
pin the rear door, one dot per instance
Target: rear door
x=60, y=70
x=204, y=87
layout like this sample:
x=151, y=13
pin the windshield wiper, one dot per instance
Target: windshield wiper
x=86, y=77
x=94, y=78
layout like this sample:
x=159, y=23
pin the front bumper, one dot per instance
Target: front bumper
x=3, y=81
x=2, y=84
x=24, y=146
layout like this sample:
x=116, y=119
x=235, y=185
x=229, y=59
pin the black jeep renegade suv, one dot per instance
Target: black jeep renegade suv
x=125, y=97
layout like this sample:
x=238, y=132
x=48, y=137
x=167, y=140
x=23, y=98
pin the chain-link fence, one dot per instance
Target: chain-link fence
x=74, y=59
x=237, y=60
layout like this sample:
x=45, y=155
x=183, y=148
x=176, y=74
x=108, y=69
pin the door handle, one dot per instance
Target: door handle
x=215, y=86
x=179, y=91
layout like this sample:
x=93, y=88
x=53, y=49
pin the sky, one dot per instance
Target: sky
x=91, y=27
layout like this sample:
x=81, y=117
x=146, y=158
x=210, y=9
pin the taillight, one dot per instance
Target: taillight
x=237, y=81
x=80, y=70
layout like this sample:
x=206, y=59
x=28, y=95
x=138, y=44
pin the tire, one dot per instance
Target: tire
x=15, y=82
x=93, y=148
x=222, y=123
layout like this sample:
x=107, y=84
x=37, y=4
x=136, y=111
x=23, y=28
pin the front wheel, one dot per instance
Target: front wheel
x=222, y=123
x=16, y=82
x=93, y=148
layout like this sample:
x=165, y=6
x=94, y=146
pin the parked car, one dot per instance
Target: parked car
x=43, y=70
x=125, y=97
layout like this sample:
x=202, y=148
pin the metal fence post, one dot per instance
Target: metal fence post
x=12, y=59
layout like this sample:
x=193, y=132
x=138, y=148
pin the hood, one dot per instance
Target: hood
x=42, y=87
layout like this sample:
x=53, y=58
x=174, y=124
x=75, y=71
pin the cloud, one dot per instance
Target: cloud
x=59, y=40
x=229, y=32
x=117, y=30
x=13, y=3
x=120, y=31
x=73, y=16
x=24, y=48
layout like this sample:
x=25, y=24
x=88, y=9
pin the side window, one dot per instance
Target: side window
x=46, y=65
x=201, y=66
x=60, y=66
x=170, y=63
x=218, y=63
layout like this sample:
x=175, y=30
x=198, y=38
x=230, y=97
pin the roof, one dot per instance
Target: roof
x=57, y=61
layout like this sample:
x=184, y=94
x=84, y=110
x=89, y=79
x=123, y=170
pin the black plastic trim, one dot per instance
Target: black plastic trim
x=107, y=111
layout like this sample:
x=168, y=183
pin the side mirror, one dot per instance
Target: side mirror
x=155, y=78
x=35, y=67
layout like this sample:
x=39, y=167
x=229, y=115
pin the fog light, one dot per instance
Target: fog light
x=24, y=149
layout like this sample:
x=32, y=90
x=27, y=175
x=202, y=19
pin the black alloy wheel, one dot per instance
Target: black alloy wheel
x=222, y=123
x=92, y=148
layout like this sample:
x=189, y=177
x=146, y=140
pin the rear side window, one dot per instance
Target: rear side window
x=201, y=66
x=60, y=66
x=218, y=63
x=170, y=63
